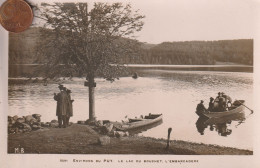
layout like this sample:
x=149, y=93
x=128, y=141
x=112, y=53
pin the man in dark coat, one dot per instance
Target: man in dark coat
x=211, y=104
x=70, y=109
x=62, y=106
x=201, y=107
x=222, y=104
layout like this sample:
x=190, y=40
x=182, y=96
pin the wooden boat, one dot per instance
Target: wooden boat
x=139, y=123
x=237, y=107
x=226, y=119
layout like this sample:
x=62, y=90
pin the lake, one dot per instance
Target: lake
x=173, y=93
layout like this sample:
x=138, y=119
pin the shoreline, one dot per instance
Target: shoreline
x=82, y=139
x=28, y=70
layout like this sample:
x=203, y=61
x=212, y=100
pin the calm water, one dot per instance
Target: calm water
x=175, y=94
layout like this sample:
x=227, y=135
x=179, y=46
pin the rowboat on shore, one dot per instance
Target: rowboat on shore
x=137, y=123
x=237, y=107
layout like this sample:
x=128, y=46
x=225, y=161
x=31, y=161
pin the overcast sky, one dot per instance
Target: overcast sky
x=186, y=20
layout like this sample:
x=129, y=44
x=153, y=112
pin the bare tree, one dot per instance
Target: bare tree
x=93, y=42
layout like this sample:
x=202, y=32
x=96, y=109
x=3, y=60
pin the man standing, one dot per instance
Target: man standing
x=70, y=109
x=62, y=106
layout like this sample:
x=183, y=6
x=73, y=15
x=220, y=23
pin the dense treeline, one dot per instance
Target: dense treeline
x=22, y=50
x=198, y=53
x=22, y=46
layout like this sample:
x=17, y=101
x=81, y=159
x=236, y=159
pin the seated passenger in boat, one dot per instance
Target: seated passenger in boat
x=221, y=105
x=221, y=102
x=211, y=104
x=201, y=107
x=216, y=103
x=217, y=98
x=228, y=99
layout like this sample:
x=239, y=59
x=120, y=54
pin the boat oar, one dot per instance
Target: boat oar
x=245, y=106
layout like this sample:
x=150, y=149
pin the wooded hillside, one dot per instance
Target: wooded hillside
x=22, y=50
x=199, y=52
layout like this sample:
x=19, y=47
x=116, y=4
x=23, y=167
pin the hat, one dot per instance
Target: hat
x=211, y=98
x=201, y=101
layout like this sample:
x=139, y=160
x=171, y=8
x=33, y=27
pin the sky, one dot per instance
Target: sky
x=185, y=20
x=188, y=20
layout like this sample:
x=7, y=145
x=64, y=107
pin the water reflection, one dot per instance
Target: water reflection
x=221, y=125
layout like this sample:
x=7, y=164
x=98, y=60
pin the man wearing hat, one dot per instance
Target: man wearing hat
x=62, y=106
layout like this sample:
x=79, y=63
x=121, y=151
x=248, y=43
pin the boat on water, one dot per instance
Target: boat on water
x=226, y=119
x=137, y=123
x=237, y=107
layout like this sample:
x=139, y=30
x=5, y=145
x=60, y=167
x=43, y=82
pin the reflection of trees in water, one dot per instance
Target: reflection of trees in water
x=220, y=124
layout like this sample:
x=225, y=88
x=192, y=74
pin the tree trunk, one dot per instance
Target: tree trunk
x=91, y=103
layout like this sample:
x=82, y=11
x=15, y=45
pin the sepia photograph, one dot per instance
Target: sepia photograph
x=158, y=78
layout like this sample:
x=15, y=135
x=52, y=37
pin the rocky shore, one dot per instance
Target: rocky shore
x=100, y=137
x=29, y=123
x=33, y=122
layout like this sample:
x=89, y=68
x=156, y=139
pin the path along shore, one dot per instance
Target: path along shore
x=82, y=139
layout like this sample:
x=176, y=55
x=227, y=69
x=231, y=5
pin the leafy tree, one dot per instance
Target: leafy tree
x=76, y=40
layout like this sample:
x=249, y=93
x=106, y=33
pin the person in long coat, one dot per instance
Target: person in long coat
x=62, y=106
x=70, y=109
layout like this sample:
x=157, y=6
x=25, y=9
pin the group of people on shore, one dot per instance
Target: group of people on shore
x=64, y=108
x=221, y=103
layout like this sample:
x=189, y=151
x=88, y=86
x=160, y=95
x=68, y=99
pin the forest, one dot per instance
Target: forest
x=198, y=53
x=22, y=50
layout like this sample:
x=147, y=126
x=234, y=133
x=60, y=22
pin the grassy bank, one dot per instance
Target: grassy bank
x=82, y=139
